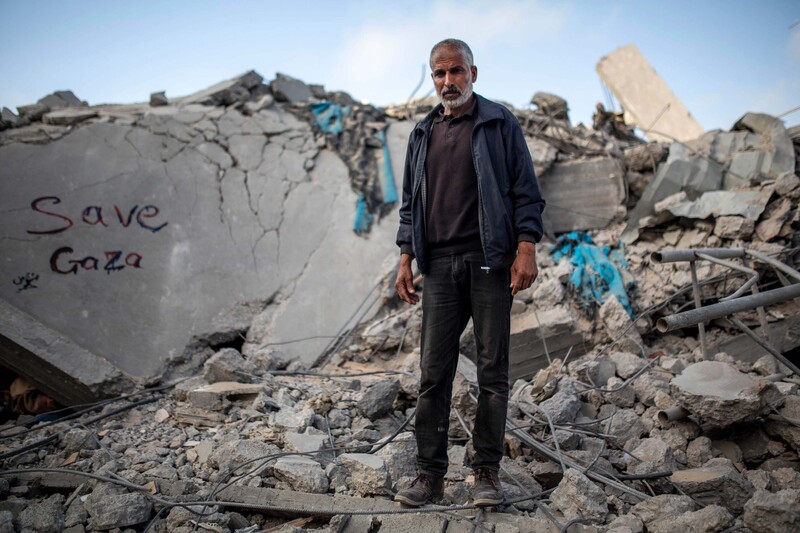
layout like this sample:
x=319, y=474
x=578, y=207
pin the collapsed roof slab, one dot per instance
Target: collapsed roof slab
x=57, y=366
x=645, y=97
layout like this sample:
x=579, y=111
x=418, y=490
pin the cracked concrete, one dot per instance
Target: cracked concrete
x=206, y=207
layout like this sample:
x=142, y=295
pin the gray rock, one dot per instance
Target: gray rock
x=722, y=395
x=773, y=512
x=233, y=454
x=228, y=365
x=564, y=405
x=623, y=397
x=158, y=99
x=337, y=476
x=662, y=509
x=400, y=456
x=627, y=363
x=648, y=385
x=378, y=399
x=76, y=513
x=33, y=112
x=305, y=442
x=711, y=519
x=6, y=522
x=301, y=473
x=60, y=99
x=719, y=485
x=368, y=473
x=698, y=452
x=45, y=516
x=654, y=451
x=77, y=439
x=226, y=92
x=118, y=510
x=9, y=119
x=69, y=116
x=627, y=524
x=618, y=324
x=292, y=419
x=785, y=478
x=288, y=89
x=578, y=497
x=625, y=424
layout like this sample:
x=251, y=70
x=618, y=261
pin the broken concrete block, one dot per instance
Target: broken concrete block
x=646, y=98
x=292, y=419
x=564, y=405
x=662, y=509
x=649, y=453
x=226, y=92
x=719, y=485
x=645, y=157
x=378, y=399
x=287, y=89
x=9, y=119
x=785, y=478
x=621, y=397
x=228, y=365
x=627, y=363
x=59, y=99
x=785, y=430
x=596, y=371
x=722, y=395
x=788, y=184
x=585, y=194
x=305, y=442
x=618, y=325
x=558, y=326
x=69, y=116
x=648, y=385
x=400, y=456
x=33, y=112
x=775, y=216
x=708, y=519
x=158, y=99
x=301, y=473
x=698, y=452
x=217, y=395
x=117, y=510
x=625, y=425
x=578, y=497
x=368, y=473
x=543, y=155
x=77, y=439
x=549, y=294
x=734, y=227
x=45, y=516
x=774, y=512
x=747, y=204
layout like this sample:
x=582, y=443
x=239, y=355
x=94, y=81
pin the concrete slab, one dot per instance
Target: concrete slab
x=535, y=335
x=646, y=97
x=583, y=194
x=748, y=204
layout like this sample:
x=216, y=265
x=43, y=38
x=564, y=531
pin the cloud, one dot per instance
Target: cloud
x=794, y=42
x=381, y=60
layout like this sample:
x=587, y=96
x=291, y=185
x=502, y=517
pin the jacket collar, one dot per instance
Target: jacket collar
x=487, y=110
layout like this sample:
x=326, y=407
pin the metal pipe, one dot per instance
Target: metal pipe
x=698, y=303
x=764, y=344
x=672, y=414
x=775, y=263
x=672, y=255
x=722, y=309
x=762, y=315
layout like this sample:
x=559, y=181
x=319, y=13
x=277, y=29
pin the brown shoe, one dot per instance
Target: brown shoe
x=487, y=489
x=422, y=490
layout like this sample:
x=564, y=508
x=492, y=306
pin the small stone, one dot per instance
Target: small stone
x=77, y=439
x=662, y=508
x=627, y=364
x=732, y=227
x=779, y=511
x=291, y=419
x=578, y=497
x=624, y=425
x=158, y=99
x=45, y=516
x=710, y=519
x=235, y=453
x=785, y=478
x=698, y=452
x=302, y=474
x=118, y=510
x=618, y=324
x=379, y=398
x=563, y=406
x=161, y=415
x=368, y=473
x=787, y=184
x=787, y=432
x=622, y=397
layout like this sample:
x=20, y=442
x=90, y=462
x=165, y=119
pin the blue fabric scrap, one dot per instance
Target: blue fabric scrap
x=363, y=217
x=330, y=116
x=598, y=269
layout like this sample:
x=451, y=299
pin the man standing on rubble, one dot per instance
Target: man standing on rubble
x=471, y=216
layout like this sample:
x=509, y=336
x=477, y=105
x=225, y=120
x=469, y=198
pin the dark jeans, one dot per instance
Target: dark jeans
x=455, y=289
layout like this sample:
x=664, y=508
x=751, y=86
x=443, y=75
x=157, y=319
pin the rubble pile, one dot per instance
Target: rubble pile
x=612, y=426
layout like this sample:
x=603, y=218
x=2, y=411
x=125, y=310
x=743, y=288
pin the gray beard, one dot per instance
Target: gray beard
x=458, y=102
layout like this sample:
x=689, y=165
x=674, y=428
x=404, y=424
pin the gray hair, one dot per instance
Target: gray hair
x=455, y=44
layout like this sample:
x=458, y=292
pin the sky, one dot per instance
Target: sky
x=721, y=58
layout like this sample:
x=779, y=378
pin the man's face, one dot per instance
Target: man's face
x=452, y=78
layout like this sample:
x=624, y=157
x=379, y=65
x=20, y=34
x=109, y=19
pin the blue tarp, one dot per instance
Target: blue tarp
x=330, y=116
x=363, y=217
x=597, y=273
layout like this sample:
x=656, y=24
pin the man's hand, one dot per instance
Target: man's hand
x=524, y=269
x=405, y=281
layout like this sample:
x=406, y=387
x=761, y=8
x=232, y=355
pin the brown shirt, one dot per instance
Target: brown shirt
x=452, y=193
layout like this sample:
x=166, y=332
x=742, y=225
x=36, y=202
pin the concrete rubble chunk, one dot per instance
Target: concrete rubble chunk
x=624, y=425
x=368, y=473
x=618, y=325
x=60, y=99
x=710, y=519
x=218, y=395
x=287, y=89
x=747, y=204
x=646, y=98
x=627, y=363
x=585, y=194
x=773, y=512
x=400, y=456
x=645, y=157
x=722, y=395
x=558, y=326
x=158, y=99
x=69, y=116
x=543, y=155
x=775, y=216
x=564, y=405
x=226, y=92
x=235, y=453
x=578, y=497
x=734, y=227
x=785, y=430
x=118, y=510
x=33, y=112
x=662, y=509
x=9, y=119
x=45, y=516
x=378, y=399
x=292, y=419
x=306, y=442
x=302, y=474
x=719, y=485
x=228, y=365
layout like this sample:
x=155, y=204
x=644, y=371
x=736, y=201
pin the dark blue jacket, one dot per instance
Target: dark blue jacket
x=510, y=202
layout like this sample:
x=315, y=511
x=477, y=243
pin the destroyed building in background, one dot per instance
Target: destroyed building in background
x=255, y=224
